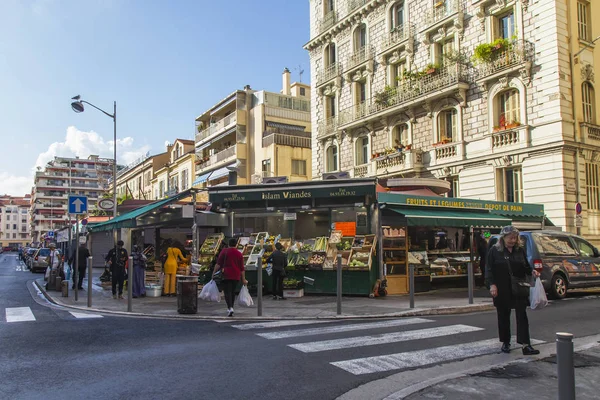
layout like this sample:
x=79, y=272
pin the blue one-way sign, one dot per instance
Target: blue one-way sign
x=78, y=204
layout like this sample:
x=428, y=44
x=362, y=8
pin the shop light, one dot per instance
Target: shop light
x=270, y=208
x=306, y=207
x=310, y=213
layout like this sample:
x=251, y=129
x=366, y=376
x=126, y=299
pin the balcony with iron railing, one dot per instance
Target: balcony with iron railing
x=327, y=21
x=221, y=158
x=417, y=89
x=216, y=128
x=286, y=140
x=397, y=36
x=359, y=57
x=503, y=57
x=441, y=10
x=328, y=73
x=345, y=8
x=327, y=128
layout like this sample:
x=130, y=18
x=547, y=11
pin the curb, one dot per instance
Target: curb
x=408, y=313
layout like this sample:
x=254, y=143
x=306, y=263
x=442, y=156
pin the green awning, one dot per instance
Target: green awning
x=418, y=216
x=128, y=220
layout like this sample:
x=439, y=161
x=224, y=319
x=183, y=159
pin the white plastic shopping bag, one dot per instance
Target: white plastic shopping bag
x=210, y=292
x=244, y=299
x=47, y=275
x=537, y=295
x=269, y=269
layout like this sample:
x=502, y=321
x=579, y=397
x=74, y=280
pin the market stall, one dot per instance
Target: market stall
x=436, y=236
x=314, y=221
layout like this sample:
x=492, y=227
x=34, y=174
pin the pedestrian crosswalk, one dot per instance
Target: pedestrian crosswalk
x=26, y=314
x=405, y=334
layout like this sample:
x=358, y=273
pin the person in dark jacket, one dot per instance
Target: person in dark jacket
x=508, y=253
x=80, y=265
x=137, y=273
x=279, y=261
x=117, y=259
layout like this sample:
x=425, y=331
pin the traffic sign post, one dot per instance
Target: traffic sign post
x=50, y=234
x=78, y=204
x=578, y=208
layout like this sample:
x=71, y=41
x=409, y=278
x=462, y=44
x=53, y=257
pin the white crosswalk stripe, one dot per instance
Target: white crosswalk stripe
x=419, y=358
x=84, y=315
x=384, y=338
x=19, y=314
x=343, y=328
x=383, y=362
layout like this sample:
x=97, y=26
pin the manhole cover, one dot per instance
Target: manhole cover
x=510, y=372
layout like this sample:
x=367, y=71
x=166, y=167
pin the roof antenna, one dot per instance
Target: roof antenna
x=300, y=71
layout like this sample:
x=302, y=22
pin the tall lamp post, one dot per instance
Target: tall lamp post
x=77, y=106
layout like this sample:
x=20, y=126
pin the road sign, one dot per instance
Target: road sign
x=84, y=221
x=106, y=204
x=578, y=221
x=578, y=208
x=78, y=204
x=50, y=234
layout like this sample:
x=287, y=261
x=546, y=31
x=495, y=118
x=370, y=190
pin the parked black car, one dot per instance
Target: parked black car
x=563, y=259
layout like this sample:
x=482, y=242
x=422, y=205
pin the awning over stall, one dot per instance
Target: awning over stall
x=201, y=179
x=418, y=216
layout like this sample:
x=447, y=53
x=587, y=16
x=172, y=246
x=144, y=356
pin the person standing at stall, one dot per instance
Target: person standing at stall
x=84, y=253
x=279, y=261
x=504, y=260
x=117, y=259
x=232, y=263
x=139, y=267
x=173, y=255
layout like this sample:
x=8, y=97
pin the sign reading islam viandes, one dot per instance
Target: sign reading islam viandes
x=496, y=207
x=291, y=194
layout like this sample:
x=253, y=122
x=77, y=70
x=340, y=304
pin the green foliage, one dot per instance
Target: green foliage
x=487, y=52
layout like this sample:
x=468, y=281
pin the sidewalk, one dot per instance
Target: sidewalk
x=449, y=301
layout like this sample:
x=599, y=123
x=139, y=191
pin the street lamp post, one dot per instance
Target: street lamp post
x=77, y=106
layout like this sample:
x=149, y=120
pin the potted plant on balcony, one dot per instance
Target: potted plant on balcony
x=512, y=124
x=408, y=147
x=431, y=68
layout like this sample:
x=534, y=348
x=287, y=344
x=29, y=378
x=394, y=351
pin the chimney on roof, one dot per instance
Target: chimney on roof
x=286, y=82
x=247, y=88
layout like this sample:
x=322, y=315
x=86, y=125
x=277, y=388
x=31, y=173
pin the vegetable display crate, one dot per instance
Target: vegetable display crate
x=293, y=293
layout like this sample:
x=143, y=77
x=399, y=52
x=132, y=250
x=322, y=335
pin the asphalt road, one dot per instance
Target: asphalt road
x=55, y=354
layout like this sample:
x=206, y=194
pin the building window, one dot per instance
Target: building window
x=509, y=183
x=444, y=48
x=360, y=37
x=329, y=6
x=505, y=26
x=184, y=179
x=362, y=150
x=361, y=92
x=400, y=136
x=592, y=184
x=266, y=168
x=397, y=16
x=583, y=20
x=588, y=102
x=161, y=189
x=509, y=111
x=332, y=158
x=302, y=91
x=14, y=235
x=299, y=167
x=14, y=227
x=330, y=106
x=454, y=187
x=330, y=56
x=397, y=73
x=447, y=125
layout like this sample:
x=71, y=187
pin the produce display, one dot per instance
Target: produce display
x=321, y=244
x=208, y=250
x=306, y=248
x=336, y=237
x=358, y=263
x=290, y=283
x=317, y=259
x=345, y=244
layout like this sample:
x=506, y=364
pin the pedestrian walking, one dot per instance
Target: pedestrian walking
x=505, y=260
x=279, y=261
x=173, y=255
x=231, y=262
x=80, y=265
x=117, y=259
x=139, y=267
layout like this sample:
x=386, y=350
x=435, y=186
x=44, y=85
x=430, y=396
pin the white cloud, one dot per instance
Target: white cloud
x=76, y=144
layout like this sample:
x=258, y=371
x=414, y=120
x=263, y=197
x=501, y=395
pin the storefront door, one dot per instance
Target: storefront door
x=395, y=259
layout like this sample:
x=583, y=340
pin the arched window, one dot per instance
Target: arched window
x=397, y=16
x=588, y=102
x=361, y=150
x=330, y=55
x=332, y=158
x=508, y=108
x=447, y=124
x=360, y=37
x=400, y=136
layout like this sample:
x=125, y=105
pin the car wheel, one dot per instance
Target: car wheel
x=558, y=287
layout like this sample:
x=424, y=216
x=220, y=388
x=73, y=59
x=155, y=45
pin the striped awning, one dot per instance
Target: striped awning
x=201, y=179
x=285, y=126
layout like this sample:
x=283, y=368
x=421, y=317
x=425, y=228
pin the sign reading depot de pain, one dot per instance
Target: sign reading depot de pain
x=293, y=193
x=496, y=207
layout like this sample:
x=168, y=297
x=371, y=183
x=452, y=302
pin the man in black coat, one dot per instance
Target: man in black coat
x=80, y=265
x=117, y=258
x=279, y=261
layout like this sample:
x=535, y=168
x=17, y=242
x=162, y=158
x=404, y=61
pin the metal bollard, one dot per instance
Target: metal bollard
x=470, y=281
x=259, y=283
x=129, y=285
x=89, y=293
x=565, y=366
x=339, y=284
x=411, y=284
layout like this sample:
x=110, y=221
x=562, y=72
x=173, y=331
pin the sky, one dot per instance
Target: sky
x=163, y=61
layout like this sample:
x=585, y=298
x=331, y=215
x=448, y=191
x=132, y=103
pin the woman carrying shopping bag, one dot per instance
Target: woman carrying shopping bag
x=231, y=262
x=508, y=273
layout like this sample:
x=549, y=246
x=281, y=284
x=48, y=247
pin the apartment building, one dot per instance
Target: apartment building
x=14, y=221
x=257, y=136
x=495, y=96
x=177, y=173
x=61, y=177
x=135, y=180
